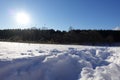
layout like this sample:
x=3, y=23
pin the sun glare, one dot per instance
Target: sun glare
x=22, y=18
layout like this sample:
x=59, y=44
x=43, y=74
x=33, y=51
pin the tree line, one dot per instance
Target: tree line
x=61, y=37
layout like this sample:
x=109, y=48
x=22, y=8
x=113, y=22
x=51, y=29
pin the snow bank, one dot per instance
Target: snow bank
x=59, y=62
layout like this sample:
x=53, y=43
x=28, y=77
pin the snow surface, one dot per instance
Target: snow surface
x=24, y=61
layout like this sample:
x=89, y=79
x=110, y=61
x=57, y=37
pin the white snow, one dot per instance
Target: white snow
x=25, y=61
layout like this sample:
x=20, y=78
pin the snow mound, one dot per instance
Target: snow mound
x=110, y=72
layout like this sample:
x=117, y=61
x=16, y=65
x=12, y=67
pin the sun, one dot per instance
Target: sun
x=22, y=18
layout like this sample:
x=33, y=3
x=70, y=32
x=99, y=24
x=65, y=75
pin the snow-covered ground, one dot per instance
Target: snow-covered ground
x=24, y=61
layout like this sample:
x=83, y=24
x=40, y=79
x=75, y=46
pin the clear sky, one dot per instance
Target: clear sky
x=61, y=14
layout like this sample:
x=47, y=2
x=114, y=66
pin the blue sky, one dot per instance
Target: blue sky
x=61, y=14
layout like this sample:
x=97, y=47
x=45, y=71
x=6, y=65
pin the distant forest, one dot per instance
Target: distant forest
x=61, y=37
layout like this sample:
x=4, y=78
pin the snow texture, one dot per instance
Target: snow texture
x=22, y=61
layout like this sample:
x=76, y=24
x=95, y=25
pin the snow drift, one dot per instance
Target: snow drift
x=58, y=62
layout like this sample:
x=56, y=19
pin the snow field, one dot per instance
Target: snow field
x=23, y=61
